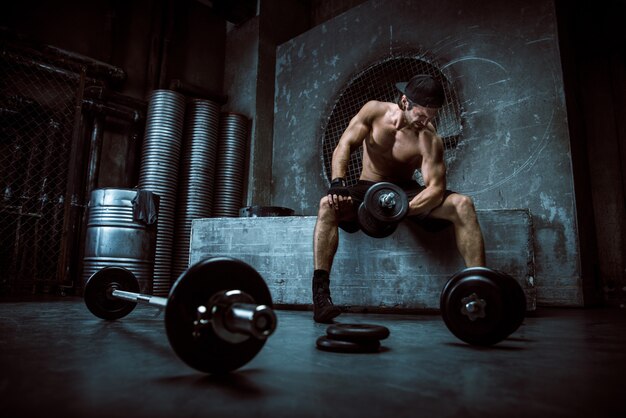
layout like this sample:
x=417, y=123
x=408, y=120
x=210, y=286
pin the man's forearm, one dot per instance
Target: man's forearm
x=341, y=158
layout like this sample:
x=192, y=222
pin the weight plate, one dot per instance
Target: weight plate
x=372, y=203
x=97, y=292
x=371, y=226
x=338, y=346
x=482, y=284
x=515, y=301
x=209, y=353
x=357, y=332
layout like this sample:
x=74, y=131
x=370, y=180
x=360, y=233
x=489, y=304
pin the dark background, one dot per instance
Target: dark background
x=156, y=42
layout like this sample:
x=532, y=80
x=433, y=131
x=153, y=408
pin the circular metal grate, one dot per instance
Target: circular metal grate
x=377, y=82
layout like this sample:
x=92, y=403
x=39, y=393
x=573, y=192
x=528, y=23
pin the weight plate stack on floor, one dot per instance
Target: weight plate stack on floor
x=159, y=174
x=197, y=171
x=352, y=338
x=229, y=177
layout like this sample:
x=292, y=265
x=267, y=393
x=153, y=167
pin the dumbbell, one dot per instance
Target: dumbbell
x=382, y=209
x=218, y=314
x=482, y=306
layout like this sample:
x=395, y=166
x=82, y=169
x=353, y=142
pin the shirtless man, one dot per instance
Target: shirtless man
x=397, y=139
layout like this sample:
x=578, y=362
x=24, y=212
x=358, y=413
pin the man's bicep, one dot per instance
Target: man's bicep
x=433, y=167
x=434, y=174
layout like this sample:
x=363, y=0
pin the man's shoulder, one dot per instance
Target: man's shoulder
x=376, y=104
x=375, y=109
x=429, y=140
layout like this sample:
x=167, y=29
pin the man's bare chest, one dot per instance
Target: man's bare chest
x=398, y=146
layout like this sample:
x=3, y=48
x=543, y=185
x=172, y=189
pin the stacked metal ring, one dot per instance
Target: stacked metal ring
x=197, y=170
x=229, y=178
x=159, y=173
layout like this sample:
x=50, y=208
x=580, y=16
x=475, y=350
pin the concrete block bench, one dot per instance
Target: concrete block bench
x=403, y=272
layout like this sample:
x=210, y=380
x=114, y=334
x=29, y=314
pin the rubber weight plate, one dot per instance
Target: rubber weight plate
x=372, y=227
x=515, y=299
x=339, y=346
x=209, y=353
x=483, y=285
x=372, y=202
x=357, y=332
x=98, y=289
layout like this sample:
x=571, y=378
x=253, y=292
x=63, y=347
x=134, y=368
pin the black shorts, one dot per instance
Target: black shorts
x=412, y=189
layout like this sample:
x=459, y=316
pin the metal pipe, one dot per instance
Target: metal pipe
x=114, y=111
x=198, y=92
x=108, y=96
x=95, y=148
x=50, y=68
x=73, y=201
x=71, y=61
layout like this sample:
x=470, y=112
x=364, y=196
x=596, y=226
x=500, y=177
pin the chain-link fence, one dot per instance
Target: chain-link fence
x=37, y=113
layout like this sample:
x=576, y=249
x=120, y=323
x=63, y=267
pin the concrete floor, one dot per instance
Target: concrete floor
x=57, y=359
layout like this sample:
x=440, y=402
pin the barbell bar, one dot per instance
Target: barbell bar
x=218, y=314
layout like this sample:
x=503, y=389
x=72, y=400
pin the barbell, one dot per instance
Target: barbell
x=218, y=313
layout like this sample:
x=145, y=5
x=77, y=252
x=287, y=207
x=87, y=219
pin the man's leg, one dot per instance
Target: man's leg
x=325, y=242
x=459, y=209
x=325, y=237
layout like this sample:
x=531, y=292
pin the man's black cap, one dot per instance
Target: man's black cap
x=424, y=90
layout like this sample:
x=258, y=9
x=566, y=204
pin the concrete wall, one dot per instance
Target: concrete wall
x=407, y=270
x=249, y=83
x=593, y=47
x=505, y=64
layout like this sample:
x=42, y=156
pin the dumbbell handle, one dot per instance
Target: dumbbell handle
x=138, y=297
x=387, y=200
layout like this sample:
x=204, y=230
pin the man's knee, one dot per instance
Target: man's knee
x=324, y=206
x=464, y=206
x=325, y=211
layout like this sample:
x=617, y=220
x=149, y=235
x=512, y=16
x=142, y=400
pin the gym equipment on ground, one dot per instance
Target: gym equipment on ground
x=383, y=207
x=352, y=338
x=357, y=332
x=482, y=306
x=218, y=314
x=338, y=346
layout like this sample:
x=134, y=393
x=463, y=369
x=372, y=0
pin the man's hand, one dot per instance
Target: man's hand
x=338, y=194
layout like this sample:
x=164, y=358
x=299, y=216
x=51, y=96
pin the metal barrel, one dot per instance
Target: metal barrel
x=159, y=173
x=229, y=177
x=196, y=176
x=116, y=237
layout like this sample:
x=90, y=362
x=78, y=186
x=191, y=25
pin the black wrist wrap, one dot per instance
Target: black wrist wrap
x=339, y=187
